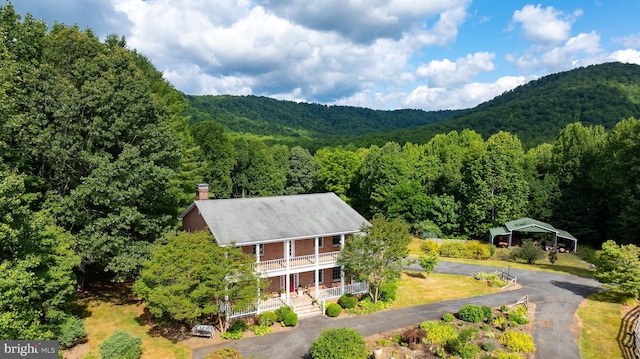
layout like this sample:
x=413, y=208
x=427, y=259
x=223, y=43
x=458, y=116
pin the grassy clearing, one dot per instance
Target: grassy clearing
x=415, y=288
x=605, y=321
x=105, y=314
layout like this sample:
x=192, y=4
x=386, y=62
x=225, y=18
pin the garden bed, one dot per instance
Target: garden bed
x=485, y=336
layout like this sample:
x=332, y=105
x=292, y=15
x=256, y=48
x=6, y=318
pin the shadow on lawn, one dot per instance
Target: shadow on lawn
x=171, y=330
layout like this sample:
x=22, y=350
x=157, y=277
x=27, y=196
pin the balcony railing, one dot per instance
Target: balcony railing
x=297, y=262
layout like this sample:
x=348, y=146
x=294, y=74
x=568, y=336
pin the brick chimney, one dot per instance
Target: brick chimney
x=202, y=191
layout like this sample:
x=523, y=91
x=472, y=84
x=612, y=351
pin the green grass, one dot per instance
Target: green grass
x=605, y=321
x=112, y=309
x=415, y=288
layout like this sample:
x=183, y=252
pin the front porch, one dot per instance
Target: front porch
x=301, y=302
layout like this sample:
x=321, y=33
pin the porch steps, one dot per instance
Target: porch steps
x=308, y=310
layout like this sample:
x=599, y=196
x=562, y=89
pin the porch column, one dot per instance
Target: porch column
x=315, y=278
x=287, y=280
x=555, y=241
x=510, y=237
x=341, y=267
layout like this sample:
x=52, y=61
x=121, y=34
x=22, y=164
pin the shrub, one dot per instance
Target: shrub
x=267, y=319
x=348, y=301
x=553, y=257
x=224, y=353
x=412, y=337
x=504, y=308
x=517, y=342
x=290, y=320
x=518, y=318
x=231, y=335
x=260, y=330
x=471, y=313
x=238, y=326
x=448, y=317
x=339, y=343
x=488, y=346
x=282, y=312
x=502, y=355
x=438, y=333
x=368, y=306
x=383, y=342
x=120, y=345
x=430, y=247
x=388, y=292
x=528, y=252
x=463, y=349
x=500, y=323
x=72, y=332
x=468, y=249
x=479, y=250
x=333, y=310
x=488, y=313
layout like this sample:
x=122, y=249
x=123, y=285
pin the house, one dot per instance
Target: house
x=295, y=239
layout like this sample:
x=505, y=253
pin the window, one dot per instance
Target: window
x=261, y=246
x=320, y=278
x=336, y=274
x=336, y=241
x=320, y=242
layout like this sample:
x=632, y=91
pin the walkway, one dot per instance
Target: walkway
x=556, y=296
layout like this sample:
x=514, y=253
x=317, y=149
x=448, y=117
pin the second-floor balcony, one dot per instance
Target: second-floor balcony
x=323, y=259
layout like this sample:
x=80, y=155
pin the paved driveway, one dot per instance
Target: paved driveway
x=556, y=297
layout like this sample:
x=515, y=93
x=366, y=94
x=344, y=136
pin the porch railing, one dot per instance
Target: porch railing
x=264, y=306
x=332, y=293
x=297, y=262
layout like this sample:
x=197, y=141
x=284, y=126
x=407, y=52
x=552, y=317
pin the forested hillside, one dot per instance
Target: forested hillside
x=302, y=123
x=536, y=112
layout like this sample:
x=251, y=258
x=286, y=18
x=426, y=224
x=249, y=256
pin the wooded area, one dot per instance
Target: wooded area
x=97, y=158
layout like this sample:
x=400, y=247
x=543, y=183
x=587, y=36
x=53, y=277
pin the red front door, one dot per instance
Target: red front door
x=292, y=285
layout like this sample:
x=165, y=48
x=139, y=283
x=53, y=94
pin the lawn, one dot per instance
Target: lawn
x=415, y=288
x=113, y=309
x=606, y=320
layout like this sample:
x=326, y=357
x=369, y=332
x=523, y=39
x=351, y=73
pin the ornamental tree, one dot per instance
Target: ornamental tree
x=191, y=278
x=378, y=255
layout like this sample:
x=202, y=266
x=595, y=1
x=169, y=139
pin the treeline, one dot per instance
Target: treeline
x=97, y=159
x=457, y=184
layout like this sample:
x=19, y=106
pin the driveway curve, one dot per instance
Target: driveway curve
x=557, y=297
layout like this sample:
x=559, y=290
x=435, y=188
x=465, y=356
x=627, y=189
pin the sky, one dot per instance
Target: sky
x=380, y=54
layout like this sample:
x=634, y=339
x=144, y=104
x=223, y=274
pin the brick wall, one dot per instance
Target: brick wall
x=193, y=221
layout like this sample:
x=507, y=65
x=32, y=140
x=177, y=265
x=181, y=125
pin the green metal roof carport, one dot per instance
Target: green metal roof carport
x=531, y=225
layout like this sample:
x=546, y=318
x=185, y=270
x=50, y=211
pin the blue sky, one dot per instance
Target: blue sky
x=382, y=54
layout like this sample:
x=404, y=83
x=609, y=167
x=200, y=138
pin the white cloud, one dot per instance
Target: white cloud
x=581, y=50
x=545, y=25
x=469, y=95
x=445, y=72
x=630, y=56
x=632, y=41
x=321, y=51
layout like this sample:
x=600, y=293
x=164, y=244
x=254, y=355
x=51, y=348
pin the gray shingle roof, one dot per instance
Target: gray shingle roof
x=270, y=219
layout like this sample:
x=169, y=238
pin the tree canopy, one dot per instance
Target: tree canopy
x=378, y=255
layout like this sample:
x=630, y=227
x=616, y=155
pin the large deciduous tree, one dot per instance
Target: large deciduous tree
x=36, y=261
x=191, y=278
x=219, y=157
x=495, y=189
x=84, y=124
x=377, y=256
x=301, y=175
x=618, y=267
